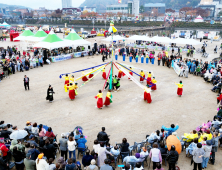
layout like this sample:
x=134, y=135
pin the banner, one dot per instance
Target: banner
x=61, y=57
x=176, y=68
x=78, y=54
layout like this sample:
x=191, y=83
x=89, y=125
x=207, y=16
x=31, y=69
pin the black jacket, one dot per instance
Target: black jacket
x=124, y=147
x=172, y=157
x=102, y=136
x=18, y=156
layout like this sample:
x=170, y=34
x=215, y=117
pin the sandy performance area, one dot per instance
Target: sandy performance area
x=128, y=116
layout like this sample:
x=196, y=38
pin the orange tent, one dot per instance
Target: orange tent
x=173, y=140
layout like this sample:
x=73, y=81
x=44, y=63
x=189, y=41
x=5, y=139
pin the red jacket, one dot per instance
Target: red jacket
x=4, y=149
x=50, y=134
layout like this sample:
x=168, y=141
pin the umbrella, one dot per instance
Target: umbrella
x=19, y=134
x=173, y=140
x=45, y=127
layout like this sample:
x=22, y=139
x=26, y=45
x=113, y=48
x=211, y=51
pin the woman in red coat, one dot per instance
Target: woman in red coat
x=108, y=97
x=99, y=98
x=104, y=74
x=49, y=133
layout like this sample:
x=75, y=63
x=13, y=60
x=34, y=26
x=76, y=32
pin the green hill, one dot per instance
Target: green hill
x=174, y=4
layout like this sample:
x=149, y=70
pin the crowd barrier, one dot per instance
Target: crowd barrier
x=68, y=56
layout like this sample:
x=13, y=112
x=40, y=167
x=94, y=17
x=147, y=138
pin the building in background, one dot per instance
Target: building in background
x=150, y=7
x=66, y=3
x=71, y=11
x=122, y=8
x=214, y=6
x=131, y=8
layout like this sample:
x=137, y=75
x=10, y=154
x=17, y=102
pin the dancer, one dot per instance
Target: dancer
x=147, y=58
x=72, y=79
x=71, y=91
x=180, y=88
x=130, y=72
x=116, y=55
x=153, y=84
x=118, y=85
x=149, y=78
x=142, y=58
x=66, y=80
x=75, y=88
x=131, y=57
x=99, y=98
x=91, y=74
x=142, y=76
x=84, y=78
x=120, y=73
x=104, y=74
x=50, y=94
x=124, y=56
x=108, y=98
x=147, y=94
x=137, y=57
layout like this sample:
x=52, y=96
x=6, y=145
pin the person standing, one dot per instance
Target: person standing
x=108, y=98
x=180, y=88
x=63, y=146
x=147, y=94
x=71, y=147
x=207, y=149
x=29, y=164
x=155, y=155
x=153, y=81
x=172, y=158
x=102, y=152
x=142, y=76
x=214, y=146
x=50, y=94
x=99, y=98
x=26, y=82
x=197, y=157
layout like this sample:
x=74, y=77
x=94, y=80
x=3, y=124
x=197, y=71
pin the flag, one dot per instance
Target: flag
x=119, y=1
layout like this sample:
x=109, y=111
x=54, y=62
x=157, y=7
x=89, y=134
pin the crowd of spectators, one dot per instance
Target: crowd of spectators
x=40, y=149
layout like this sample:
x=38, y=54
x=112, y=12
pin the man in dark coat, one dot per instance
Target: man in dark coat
x=26, y=82
x=102, y=136
x=172, y=157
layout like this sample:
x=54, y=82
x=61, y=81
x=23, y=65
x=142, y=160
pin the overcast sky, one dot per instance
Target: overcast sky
x=35, y=4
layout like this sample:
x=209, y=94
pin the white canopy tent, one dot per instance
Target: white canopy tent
x=161, y=39
x=185, y=41
x=79, y=42
x=199, y=19
x=140, y=37
x=115, y=38
x=52, y=41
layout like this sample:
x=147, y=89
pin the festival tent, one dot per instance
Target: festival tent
x=114, y=38
x=199, y=19
x=52, y=41
x=39, y=36
x=24, y=35
x=76, y=40
x=4, y=24
x=140, y=37
x=161, y=39
x=185, y=41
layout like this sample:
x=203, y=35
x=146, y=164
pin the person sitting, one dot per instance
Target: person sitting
x=50, y=149
x=162, y=148
x=192, y=146
x=92, y=166
x=138, y=166
x=142, y=157
x=115, y=151
x=132, y=158
x=207, y=134
x=19, y=145
x=171, y=129
x=102, y=136
x=34, y=152
x=49, y=133
x=190, y=136
x=106, y=166
x=5, y=133
x=32, y=140
x=42, y=131
x=86, y=159
x=155, y=136
x=27, y=148
x=35, y=129
x=144, y=151
x=70, y=165
x=77, y=136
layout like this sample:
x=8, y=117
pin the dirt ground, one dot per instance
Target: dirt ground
x=128, y=116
